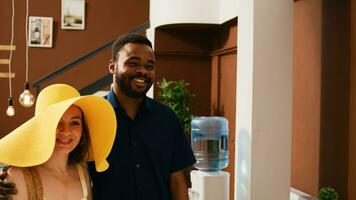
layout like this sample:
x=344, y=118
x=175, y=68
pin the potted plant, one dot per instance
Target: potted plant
x=328, y=193
x=176, y=95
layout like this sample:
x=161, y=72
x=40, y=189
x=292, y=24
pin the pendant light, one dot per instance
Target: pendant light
x=10, y=111
x=26, y=98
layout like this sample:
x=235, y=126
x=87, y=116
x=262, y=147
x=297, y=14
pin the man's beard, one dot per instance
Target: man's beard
x=125, y=86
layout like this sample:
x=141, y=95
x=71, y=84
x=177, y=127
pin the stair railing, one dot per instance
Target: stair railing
x=96, y=85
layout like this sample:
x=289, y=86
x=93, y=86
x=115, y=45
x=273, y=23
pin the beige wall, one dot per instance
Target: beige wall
x=352, y=136
x=105, y=20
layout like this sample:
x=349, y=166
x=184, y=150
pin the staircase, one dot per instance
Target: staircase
x=299, y=195
x=95, y=86
x=6, y=61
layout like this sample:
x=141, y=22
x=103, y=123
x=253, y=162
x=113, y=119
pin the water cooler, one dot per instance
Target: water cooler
x=209, y=144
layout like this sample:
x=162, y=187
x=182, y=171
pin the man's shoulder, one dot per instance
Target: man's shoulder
x=154, y=103
x=157, y=106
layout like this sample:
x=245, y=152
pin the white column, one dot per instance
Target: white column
x=264, y=95
x=164, y=12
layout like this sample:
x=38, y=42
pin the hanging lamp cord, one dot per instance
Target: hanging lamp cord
x=11, y=44
x=27, y=37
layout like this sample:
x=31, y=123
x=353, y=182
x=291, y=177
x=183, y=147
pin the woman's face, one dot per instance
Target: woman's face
x=69, y=130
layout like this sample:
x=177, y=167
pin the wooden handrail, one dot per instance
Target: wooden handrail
x=83, y=58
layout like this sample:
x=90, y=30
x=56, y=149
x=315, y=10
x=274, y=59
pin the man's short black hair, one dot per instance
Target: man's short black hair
x=128, y=38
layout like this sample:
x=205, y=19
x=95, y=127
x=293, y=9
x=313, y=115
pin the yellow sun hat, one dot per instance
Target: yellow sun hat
x=33, y=142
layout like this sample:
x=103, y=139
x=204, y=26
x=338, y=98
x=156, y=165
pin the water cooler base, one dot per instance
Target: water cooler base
x=210, y=185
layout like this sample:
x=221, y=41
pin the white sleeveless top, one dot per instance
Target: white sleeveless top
x=34, y=185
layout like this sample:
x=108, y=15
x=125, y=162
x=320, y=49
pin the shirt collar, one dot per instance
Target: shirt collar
x=111, y=97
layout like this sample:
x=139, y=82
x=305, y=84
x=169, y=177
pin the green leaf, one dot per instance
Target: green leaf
x=328, y=193
x=176, y=95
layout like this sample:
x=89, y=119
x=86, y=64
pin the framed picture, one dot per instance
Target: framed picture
x=73, y=14
x=40, y=31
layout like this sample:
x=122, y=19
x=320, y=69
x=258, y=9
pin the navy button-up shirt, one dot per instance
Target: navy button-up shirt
x=146, y=151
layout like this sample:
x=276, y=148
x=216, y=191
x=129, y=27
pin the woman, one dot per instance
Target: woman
x=48, y=149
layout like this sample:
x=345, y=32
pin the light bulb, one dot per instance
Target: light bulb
x=26, y=98
x=10, y=111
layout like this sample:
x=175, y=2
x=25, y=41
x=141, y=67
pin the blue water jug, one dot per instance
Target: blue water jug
x=209, y=142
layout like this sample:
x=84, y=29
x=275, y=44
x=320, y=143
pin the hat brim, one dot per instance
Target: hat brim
x=33, y=142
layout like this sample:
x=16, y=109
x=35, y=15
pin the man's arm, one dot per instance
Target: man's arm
x=178, y=186
x=6, y=188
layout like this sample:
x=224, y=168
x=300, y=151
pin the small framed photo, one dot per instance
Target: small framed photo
x=73, y=14
x=40, y=31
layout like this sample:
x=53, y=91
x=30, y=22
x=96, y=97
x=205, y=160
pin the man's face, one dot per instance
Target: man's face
x=134, y=69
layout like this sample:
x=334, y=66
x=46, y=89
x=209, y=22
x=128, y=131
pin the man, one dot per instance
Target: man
x=150, y=149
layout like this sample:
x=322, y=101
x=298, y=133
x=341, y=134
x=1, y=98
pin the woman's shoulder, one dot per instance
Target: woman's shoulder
x=16, y=176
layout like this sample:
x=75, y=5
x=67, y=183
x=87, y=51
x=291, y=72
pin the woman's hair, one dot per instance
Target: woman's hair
x=80, y=152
